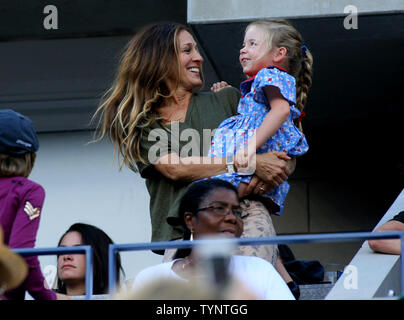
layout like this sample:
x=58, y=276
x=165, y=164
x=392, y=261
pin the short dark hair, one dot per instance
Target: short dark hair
x=196, y=193
x=199, y=191
x=99, y=241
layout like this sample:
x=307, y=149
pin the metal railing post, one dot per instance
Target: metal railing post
x=87, y=250
x=111, y=268
x=89, y=273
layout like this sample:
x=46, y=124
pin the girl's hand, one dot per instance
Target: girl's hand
x=245, y=161
x=217, y=86
x=241, y=159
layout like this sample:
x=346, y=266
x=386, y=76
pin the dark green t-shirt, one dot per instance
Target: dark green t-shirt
x=191, y=137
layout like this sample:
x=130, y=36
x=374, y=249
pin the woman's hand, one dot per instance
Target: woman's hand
x=256, y=186
x=272, y=167
x=217, y=86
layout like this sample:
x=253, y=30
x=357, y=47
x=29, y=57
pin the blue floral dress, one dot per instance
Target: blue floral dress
x=234, y=132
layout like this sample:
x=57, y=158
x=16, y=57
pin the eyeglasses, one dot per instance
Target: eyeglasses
x=223, y=209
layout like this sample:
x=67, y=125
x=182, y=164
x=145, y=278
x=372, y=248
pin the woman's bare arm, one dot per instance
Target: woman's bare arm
x=389, y=246
x=190, y=168
x=272, y=168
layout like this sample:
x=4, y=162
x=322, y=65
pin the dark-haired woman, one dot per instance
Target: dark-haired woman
x=72, y=267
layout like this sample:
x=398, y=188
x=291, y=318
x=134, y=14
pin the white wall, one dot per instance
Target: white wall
x=211, y=11
x=83, y=184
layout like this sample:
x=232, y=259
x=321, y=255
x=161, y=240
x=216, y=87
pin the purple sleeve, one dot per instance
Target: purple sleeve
x=23, y=235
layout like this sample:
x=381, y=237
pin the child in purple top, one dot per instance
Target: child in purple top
x=21, y=200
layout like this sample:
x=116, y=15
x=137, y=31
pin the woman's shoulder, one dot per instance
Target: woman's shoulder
x=229, y=90
x=225, y=99
x=23, y=184
x=158, y=269
x=225, y=93
x=162, y=270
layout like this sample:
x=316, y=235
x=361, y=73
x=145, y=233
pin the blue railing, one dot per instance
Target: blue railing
x=114, y=248
x=27, y=252
x=307, y=238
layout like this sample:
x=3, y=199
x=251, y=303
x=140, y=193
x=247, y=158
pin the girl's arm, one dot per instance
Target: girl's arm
x=275, y=117
x=272, y=122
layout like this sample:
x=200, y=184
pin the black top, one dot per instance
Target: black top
x=399, y=217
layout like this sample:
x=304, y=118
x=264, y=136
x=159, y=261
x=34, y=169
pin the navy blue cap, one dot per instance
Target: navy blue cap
x=17, y=133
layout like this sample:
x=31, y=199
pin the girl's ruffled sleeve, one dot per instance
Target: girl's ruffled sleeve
x=277, y=78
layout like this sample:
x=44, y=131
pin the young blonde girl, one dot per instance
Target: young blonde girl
x=279, y=65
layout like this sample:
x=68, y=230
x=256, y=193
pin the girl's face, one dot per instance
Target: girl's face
x=71, y=267
x=254, y=55
x=211, y=220
x=190, y=61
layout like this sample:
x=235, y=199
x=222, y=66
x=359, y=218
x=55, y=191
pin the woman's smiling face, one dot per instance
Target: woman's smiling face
x=190, y=61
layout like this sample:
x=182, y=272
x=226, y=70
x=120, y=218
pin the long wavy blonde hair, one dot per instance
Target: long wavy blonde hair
x=148, y=75
x=280, y=33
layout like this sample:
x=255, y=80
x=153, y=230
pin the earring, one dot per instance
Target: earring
x=192, y=235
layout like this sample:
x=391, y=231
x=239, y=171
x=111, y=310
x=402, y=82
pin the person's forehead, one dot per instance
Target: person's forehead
x=254, y=32
x=71, y=238
x=222, y=195
x=184, y=37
